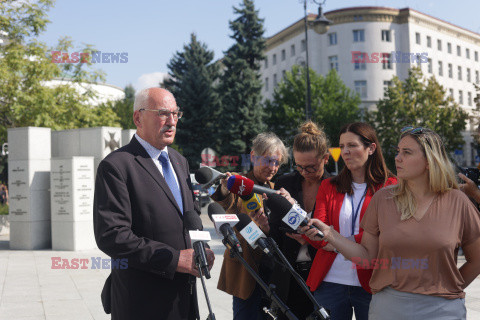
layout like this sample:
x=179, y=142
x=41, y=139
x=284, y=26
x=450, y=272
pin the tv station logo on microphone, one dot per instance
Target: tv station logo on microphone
x=294, y=217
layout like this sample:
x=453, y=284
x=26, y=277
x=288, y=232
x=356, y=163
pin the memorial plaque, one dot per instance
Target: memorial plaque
x=72, y=185
x=99, y=142
x=127, y=135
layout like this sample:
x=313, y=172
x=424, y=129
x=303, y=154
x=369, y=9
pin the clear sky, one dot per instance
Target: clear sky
x=151, y=31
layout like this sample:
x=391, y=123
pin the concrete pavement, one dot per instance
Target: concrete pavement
x=31, y=290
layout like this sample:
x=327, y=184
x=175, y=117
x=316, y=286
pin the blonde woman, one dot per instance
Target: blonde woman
x=412, y=232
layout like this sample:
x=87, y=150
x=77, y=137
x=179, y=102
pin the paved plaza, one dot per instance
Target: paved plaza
x=31, y=290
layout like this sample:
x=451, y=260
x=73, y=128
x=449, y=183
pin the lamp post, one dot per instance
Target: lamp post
x=320, y=25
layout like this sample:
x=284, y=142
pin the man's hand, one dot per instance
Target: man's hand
x=470, y=188
x=284, y=193
x=186, y=262
x=210, y=258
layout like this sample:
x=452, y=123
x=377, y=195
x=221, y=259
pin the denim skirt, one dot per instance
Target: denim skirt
x=390, y=304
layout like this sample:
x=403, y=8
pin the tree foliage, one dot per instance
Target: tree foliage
x=333, y=104
x=27, y=98
x=124, y=108
x=417, y=102
x=193, y=74
x=241, y=116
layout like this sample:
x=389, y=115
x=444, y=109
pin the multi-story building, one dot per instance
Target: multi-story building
x=441, y=49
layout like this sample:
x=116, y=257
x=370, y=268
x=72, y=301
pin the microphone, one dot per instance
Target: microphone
x=193, y=224
x=245, y=187
x=294, y=216
x=252, y=202
x=208, y=176
x=252, y=233
x=223, y=225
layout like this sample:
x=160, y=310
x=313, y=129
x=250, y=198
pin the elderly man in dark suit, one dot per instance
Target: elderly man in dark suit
x=141, y=193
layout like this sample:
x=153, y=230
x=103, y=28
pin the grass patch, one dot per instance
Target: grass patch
x=3, y=209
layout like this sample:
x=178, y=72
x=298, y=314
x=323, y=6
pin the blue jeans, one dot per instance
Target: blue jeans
x=249, y=309
x=339, y=300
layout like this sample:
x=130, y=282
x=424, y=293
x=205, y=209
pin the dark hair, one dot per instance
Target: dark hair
x=376, y=172
x=311, y=138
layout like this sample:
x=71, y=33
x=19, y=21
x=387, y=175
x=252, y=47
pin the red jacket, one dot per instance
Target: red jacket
x=327, y=209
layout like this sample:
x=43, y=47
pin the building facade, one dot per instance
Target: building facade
x=369, y=45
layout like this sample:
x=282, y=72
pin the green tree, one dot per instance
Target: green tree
x=192, y=75
x=333, y=104
x=241, y=116
x=124, y=108
x=26, y=67
x=417, y=102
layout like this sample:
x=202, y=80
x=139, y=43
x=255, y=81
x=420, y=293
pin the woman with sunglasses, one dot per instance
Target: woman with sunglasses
x=341, y=203
x=310, y=151
x=412, y=232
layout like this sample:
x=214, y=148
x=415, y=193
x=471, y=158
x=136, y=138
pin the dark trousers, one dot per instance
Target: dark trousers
x=339, y=300
x=249, y=309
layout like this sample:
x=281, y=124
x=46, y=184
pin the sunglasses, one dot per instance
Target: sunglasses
x=412, y=130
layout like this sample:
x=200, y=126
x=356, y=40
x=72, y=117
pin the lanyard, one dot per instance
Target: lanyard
x=355, y=211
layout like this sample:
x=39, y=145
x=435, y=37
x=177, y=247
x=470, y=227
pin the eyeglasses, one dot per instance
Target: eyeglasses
x=308, y=169
x=164, y=113
x=412, y=130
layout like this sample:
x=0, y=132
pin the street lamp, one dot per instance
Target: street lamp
x=320, y=25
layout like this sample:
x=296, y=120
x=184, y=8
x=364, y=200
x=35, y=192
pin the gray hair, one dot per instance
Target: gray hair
x=267, y=143
x=141, y=100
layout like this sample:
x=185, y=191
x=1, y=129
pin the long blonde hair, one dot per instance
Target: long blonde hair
x=441, y=175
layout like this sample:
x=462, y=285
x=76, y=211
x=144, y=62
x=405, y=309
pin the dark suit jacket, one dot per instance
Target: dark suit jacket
x=136, y=217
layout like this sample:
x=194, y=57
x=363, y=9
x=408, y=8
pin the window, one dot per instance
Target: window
x=357, y=18
x=430, y=66
x=274, y=62
x=386, y=36
x=451, y=93
x=439, y=45
x=292, y=50
x=459, y=73
x=303, y=45
x=467, y=53
x=283, y=74
x=266, y=62
x=266, y=84
x=386, y=84
x=440, y=68
x=450, y=70
x=275, y=80
x=333, y=62
x=361, y=88
x=417, y=38
x=449, y=47
x=469, y=99
x=459, y=51
x=476, y=56
x=358, y=35
x=460, y=96
x=284, y=55
x=429, y=41
x=469, y=75
x=386, y=61
x=332, y=38
x=360, y=62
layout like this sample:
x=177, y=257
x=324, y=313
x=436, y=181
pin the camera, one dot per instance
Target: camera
x=471, y=173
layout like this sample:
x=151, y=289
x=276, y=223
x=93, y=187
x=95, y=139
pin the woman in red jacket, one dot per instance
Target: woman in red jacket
x=341, y=202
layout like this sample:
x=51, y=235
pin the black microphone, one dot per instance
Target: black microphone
x=192, y=221
x=208, y=176
x=294, y=216
x=223, y=224
x=252, y=233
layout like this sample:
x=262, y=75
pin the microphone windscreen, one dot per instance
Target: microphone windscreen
x=215, y=208
x=192, y=221
x=204, y=175
x=244, y=221
x=278, y=203
x=240, y=185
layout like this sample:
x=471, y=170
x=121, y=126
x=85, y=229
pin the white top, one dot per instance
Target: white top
x=154, y=153
x=303, y=254
x=343, y=271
